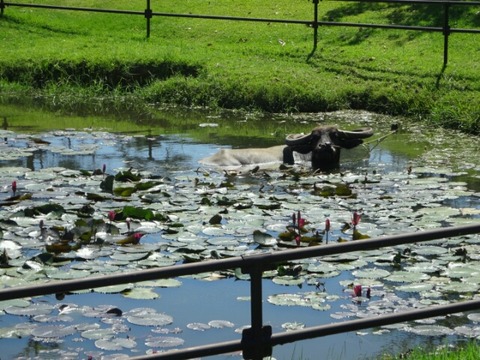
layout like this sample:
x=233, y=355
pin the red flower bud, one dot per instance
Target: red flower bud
x=301, y=223
x=356, y=219
x=297, y=240
x=137, y=237
x=111, y=215
x=357, y=290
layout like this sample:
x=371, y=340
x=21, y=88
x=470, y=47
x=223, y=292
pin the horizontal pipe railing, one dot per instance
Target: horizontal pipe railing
x=247, y=261
x=71, y=8
x=286, y=21
x=259, y=262
x=162, y=14
x=398, y=27
x=234, y=18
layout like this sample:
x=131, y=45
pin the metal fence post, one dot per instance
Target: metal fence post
x=315, y=27
x=2, y=7
x=446, y=33
x=256, y=340
x=148, y=16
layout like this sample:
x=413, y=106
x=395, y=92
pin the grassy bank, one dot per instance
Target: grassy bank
x=469, y=351
x=78, y=60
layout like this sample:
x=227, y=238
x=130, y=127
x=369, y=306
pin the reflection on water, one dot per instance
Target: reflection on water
x=89, y=151
x=157, y=154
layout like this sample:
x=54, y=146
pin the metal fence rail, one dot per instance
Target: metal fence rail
x=257, y=341
x=315, y=23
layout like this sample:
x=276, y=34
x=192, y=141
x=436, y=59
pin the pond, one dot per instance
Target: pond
x=60, y=219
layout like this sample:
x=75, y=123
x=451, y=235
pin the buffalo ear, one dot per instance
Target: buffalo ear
x=349, y=143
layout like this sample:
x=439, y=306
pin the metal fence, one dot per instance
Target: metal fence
x=258, y=340
x=314, y=23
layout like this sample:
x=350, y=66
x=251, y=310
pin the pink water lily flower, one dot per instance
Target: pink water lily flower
x=301, y=223
x=356, y=218
x=137, y=237
x=327, y=229
x=357, y=290
x=111, y=215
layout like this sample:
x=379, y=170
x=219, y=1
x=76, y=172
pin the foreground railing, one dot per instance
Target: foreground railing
x=315, y=23
x=258, y=340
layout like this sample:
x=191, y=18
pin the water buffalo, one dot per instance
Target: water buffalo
x=322, y=147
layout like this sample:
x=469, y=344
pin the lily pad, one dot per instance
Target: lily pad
x=113, y=289
x=263, y=238
x=53, y=331
x=474, y=317
x=292, y=326
x=16, y=332
x=15, y=303
x=164, y=342
x=115, y=344
x=371, y=273
x=148, y=317
x=305, y=299
x=165, y=283
x=430, y=250
x=406, y=276
x=97, y=334
x=141, y=293
x=461, y=270
x=430, y=330
x=288, y=280
x=468, y=331
x=31, y=310
x=219, y=324
x=415, y=287
x=198, y=326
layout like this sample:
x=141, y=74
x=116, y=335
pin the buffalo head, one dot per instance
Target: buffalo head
x=324, y=143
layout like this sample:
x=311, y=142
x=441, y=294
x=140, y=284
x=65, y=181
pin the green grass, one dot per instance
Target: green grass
x=78, y=60
x=469, y=351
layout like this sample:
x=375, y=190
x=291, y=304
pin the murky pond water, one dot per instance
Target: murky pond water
x=417, y=179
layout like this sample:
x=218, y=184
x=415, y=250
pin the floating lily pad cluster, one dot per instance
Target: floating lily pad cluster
x=61, y=223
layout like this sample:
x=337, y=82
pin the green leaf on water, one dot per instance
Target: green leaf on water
x=107, y=184
x=127, y=176
x=141, y=294
x=44, y=209
x=124, y=191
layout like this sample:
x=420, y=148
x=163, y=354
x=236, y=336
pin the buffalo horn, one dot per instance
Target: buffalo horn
x=297, y=139
x=357, y=134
